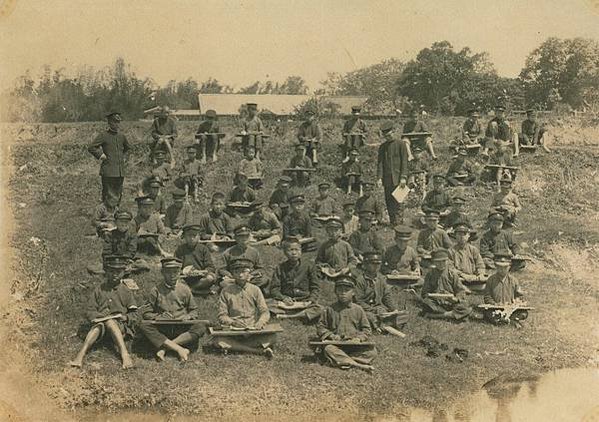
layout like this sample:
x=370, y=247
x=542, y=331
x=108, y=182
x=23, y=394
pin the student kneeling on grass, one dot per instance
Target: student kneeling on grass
x=295, y=280
x=346, y=321
x=242, y=306
x=171, y=300
x=107, y=310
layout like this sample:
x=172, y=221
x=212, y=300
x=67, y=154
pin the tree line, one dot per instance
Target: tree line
x=560, y=73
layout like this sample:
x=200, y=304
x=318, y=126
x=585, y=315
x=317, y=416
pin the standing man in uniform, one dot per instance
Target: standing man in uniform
x=392, y=171
x=110, y=148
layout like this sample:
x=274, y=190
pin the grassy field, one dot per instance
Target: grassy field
x=55, y=187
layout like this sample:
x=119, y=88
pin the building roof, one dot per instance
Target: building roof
x=229, y=104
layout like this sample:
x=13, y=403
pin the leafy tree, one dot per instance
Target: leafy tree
x=562, y=70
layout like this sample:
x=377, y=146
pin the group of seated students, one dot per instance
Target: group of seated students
x=445, y=264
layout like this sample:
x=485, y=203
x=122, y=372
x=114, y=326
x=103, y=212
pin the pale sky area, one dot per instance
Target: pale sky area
x=238, y=42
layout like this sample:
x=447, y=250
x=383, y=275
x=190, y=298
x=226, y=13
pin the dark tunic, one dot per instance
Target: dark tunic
x=297, y=280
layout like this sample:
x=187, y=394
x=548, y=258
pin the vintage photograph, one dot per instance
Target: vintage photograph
x=299, y=210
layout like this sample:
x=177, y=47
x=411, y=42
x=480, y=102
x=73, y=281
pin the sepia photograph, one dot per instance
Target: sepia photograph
x=299, y=210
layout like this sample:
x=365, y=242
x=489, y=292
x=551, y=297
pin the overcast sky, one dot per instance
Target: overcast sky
x=238, y=42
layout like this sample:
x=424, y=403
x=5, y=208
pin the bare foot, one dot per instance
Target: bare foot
x=77, y=363
x=127, y=362
x=183, y=354
x=161, y=354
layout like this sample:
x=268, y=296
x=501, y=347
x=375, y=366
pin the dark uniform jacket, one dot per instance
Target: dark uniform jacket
x=114, y=146
x=296, y=280
x=364, y=241
x=348, y=321
x=297, y=225
x=121, y=243
x=372, y=293
x=492, y=243
x=197, y=255
x=308, y=131
x=392, y=162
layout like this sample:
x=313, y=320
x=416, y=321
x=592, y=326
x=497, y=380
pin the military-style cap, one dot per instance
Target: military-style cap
x=438, y=176
x=403, y=232
x=373, y=257
x=292, y=239
x=285, y=179
x=242, y=230
x=144, y=200
x=349, y=204
x=241, y=264
x=114, y=114
x=258, y=205
x=366, y=215
x=178, y=193
x=192, y=227
x=458, y=200
x=387, y=126
x=503, y=258
x=506, y=181
x=440, y=254
x=354, y=151
x=495, y=216
x=530, y=111
x=417, y=150
x=334, y=222
x=210, y=113
x=356, y=109
x=297, y=198
x=324, y=185
x=117, y=262
x=500, y=107
x=345, y=280
x=462, y=152
x=171, y=262
x=123, y=215
x=461, y=228
x=431, y=214
x=252, y=105
x=299, y=146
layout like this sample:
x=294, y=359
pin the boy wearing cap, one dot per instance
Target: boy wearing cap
x=309, y=134
x=179, y=213
x=472, y=130
x=279, y=199
x=400, y=257
x=216, y=223
x=369, y=202
x=532, y=132
x=499, y=129
x=503, y=289
x=111, y=148
x=346, y=321
x=295, y=280
x=103, y=220
x=148, y=226
x=456, y=213
x=190, y=175
x=336, y=252
x=252, y=168
x=432, y=237
x=349, y=219
x=323, y=205
x=298, y=221
x=507, y=202
x=300, y=161
x=438, y=199
x=464, y=257
x=392, y=171
x=375, y=296
x=444, y=281
x=171, y=300
x=265, y=226
x=252, y=130
x=241, y=305
x=241, y=192
x=366, y=238
x=460, y=171
x=152, y=189
x=209, y=140
x=243, y=250
x=120, y=241
x=415, y=125
x=351, y=173
x=196, y=255
x=498, y=240
x=161, y=169
x=354, y=131
x=164, y=132
x=107, y=310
